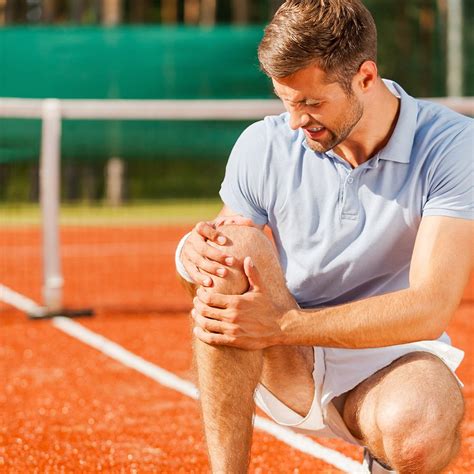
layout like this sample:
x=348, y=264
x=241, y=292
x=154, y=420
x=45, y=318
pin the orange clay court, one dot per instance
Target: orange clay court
x=68, y=407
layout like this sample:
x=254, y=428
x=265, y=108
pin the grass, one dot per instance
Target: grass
x=163, y=212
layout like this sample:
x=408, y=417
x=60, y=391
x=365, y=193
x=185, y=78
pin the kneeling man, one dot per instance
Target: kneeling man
x=336, y=325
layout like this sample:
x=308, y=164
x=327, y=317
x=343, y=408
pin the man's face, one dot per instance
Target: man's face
x=325, y=111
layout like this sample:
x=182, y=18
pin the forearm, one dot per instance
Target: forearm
x=394, y=318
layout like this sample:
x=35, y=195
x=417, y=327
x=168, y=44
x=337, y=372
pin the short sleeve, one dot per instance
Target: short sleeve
x=242, y=188
x=451, y=186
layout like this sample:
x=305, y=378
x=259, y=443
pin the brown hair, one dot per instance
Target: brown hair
x=336, y=35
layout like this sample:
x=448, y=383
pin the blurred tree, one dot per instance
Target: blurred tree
x=3, y=6
x=169, y=11
x=111, y=11
x=15, y=12
x=49, y=11
x=240, y=11
x=139, y=10
x=426, y=19
x=76, y=10
x=208, y=12
x=274, y=5
x=192, y=12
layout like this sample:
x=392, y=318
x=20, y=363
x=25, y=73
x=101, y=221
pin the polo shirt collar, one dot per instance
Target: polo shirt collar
x=400, y=145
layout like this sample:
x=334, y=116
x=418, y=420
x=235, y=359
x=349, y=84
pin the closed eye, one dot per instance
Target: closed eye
x=312, y=103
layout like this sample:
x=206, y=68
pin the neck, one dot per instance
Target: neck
x=374, y=129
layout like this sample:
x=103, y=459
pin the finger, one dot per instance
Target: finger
x=216, y=300
x=204, y=264
x=208, y=311
x=198, y=277
x=212, y=253
x=253, y=275
x=213, y=339
x=216, y=254
x=190, y=266
x=211, y=325
x=207, y=230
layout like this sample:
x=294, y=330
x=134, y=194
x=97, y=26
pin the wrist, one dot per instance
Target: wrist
x=284, y=338
x=177, y=259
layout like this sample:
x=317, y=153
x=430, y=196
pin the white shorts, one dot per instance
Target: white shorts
x=336, y=371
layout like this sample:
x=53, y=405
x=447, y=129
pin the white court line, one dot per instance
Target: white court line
x=168, y=379
x=21, y=302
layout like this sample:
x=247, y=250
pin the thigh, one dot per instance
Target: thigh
x=417, y=388
x=288, y=374
x=287, y=370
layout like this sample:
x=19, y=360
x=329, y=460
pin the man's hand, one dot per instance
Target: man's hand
x=203, y=260
x=250, y=321
x=200, y=259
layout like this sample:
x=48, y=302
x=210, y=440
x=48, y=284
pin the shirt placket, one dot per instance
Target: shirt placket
x=348, y=188
x=349, y=205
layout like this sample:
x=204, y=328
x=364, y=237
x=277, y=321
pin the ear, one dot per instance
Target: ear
x=367, y=75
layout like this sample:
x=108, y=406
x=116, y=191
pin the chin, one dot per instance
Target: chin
x=317, y=146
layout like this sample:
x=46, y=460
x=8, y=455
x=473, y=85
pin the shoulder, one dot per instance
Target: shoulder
x=442, y=126
x=443, y=138
x=273, y=129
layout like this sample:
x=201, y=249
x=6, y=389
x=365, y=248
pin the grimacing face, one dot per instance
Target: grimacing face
x=324, y=110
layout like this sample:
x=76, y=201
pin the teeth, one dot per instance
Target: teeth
x=315, y=129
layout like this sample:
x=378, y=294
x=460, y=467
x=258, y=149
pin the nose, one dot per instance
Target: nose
x=298, y=119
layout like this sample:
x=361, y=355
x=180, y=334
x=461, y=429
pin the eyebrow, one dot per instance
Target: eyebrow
x=284, y=98
x=302, y=101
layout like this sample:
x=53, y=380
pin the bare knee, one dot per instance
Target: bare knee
x=420, y=428
x=243, y=241
x=418, y=438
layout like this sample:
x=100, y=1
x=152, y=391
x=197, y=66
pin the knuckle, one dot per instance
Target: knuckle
x=232, y=317
x=200, y=278
x=202, y=228
x=211, y=267
x=234, y=330
x=237, y=303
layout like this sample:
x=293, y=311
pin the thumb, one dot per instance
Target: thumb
x=252, y=274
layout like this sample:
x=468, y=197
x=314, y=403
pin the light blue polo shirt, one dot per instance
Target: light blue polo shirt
x=344, y=234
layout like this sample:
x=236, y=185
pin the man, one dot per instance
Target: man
x=368, y=193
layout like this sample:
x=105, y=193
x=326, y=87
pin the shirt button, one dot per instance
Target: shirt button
x=350, y=180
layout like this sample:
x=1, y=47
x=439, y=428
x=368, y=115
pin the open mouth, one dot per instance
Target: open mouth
x=315, y=133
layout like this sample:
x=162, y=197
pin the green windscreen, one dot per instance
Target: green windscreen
x=129, y=63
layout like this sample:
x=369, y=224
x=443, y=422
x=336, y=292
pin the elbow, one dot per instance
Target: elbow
x=435, y=319
x=433, y=332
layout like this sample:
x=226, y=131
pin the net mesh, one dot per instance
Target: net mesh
x=115, y=257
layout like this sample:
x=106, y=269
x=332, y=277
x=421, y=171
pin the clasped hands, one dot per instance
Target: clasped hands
x=248, y=321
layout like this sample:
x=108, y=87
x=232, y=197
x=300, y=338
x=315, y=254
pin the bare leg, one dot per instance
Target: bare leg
x=408, y=414
x=228, y=376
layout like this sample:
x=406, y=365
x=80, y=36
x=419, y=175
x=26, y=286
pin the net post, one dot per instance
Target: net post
x=49, y=199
